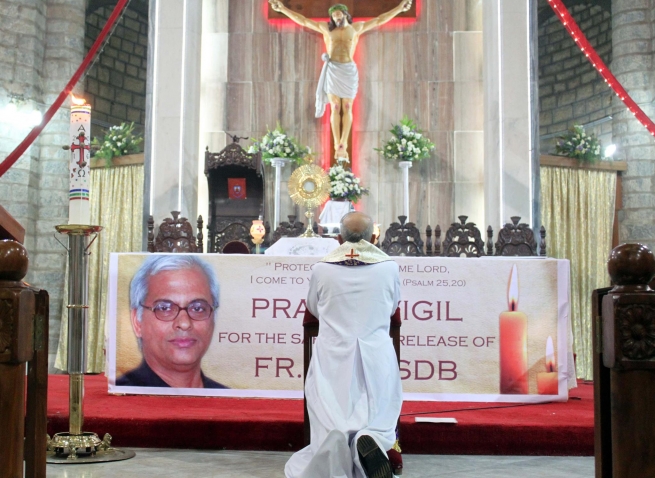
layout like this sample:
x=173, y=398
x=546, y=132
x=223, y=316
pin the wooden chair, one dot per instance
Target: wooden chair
x=175, y=235
x=518, y=239
x=463, y=239
x=402, y=239
x=236, y=247
x=230, y=217
x=288, y=229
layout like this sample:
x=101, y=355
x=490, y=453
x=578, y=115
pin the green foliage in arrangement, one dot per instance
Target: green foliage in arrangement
x=575, y=143
x=407, y=143
x=278, y=144
x=118, y=141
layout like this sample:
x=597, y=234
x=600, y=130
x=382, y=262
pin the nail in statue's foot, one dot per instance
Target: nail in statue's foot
x=373, y=460
x=340, y=152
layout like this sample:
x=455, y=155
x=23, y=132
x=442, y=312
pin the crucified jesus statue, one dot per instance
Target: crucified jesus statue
x=339, y=78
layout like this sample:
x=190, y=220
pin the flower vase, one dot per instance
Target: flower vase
x=278, y=164
x=405, y=165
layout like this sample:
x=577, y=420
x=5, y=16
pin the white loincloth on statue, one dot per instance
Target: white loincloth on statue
x=339, y=79
x=353, y=384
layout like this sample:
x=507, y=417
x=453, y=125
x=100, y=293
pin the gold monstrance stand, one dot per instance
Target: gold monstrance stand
x=309, y=186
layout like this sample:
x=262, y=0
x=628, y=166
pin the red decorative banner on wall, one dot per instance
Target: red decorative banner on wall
x=574, y=30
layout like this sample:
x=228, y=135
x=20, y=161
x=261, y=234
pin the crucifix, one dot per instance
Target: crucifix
x=339, y=80
x=80, y=146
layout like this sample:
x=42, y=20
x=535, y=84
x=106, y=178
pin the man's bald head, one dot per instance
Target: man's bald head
x=356, y=226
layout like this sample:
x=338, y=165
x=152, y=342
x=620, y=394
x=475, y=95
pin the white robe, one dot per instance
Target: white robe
x=353, y=383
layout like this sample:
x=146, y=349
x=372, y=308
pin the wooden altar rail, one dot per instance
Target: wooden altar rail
x=624, y=366
x=23, y=339
x=618, y=166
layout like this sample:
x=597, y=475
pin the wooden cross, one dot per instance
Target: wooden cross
x=357, y=8
x=352, y=254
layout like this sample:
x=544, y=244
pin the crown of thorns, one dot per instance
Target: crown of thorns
x=338, y=6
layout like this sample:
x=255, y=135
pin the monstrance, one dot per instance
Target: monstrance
x=309, y=186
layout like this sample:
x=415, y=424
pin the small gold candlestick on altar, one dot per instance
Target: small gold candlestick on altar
x=547, y=381
x=257, y=231
x=513, y=342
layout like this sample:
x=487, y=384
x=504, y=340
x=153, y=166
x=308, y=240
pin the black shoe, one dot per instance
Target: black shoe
x=373, y=460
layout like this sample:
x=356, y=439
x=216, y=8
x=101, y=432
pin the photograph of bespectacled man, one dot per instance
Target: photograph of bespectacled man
x=173, y=304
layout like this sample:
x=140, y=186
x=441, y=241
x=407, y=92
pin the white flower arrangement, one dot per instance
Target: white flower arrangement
x=579, y=145
x=118, y=141
x=278, y=144
x=407, y=143
x=345, y=185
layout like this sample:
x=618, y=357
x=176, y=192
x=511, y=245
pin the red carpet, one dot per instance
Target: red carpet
x=262, y=424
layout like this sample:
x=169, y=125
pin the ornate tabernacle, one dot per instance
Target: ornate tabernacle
x=516, y=239
x=624, y=366
x=402, y=239
x=463, y=239
x=236, y=194
x=175, y=235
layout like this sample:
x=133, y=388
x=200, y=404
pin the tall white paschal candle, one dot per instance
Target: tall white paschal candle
x=79, y=207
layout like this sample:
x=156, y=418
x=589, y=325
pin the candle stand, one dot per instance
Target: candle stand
x=76, y=445
x=405, y=165
x=277, y=163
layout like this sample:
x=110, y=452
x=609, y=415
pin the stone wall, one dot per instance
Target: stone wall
x=41, y=45
x=570, y=90
x=116, y=85
x=430, y=70
x=633, y=47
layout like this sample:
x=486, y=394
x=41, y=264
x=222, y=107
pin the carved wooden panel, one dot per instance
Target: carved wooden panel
x=16, y=324
x=233, y=155
x=357, y=8
x=175, y=235
x=629, y=330
x=463, y=239
x=516, y=239
x=402, y=239
x=6, y=325
x=637, y=331
x=288, y=229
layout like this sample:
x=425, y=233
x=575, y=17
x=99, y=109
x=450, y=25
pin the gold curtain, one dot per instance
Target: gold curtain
x=577, y=210
x=116, y=205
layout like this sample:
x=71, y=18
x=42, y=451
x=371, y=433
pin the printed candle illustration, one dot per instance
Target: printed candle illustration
x=547, y=381
x=79, y=209
x=513, y=342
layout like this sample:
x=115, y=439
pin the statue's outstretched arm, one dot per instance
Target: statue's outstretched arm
x=385, y=17
x=296, y=17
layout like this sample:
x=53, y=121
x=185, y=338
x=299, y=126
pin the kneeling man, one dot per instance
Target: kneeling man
x=353, y=388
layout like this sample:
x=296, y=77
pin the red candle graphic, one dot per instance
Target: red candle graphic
x=513, y=342
x=547, y=381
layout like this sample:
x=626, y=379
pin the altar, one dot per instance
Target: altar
x=454, y=312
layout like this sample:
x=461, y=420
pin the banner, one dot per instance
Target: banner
x=487, y=329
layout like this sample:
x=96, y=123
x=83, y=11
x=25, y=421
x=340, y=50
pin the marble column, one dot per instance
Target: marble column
x=172, y=109
x=511, y=112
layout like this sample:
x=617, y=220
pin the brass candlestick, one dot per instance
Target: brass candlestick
x=77, y=446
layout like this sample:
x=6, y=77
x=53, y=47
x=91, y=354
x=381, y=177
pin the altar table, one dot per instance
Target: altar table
x=451, y=310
